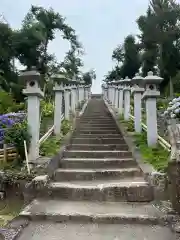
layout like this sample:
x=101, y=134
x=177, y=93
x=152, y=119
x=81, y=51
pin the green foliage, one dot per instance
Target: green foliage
x=8, y=104
x=88, y=77
x=65, y=127
x=47, y=109
x=162, y=104
x=128, y=60
x=16, y=135
x=158, y=157
x=129, y=124
x=29, y=45
x=51, y=146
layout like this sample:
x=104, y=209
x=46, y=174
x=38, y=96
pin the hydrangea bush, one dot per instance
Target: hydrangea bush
x=8, y=120
x=173, y=110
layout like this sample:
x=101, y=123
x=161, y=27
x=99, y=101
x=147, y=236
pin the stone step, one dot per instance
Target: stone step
x=96, y=140
x=94, y=120
x=98, y=121
x=93, y=147
x=104, y=135
x=97, y=127
x=60, y=230
x=97, y=163
x=97, y=131
x=96, y=212
x=62, y=174
x=131, y=190
x=97, y=154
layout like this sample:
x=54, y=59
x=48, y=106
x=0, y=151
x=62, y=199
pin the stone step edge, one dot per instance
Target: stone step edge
x=98, y=159
x=94, y=145
x=94, y=170
x=98, y=218
x=99, y=151
x=100, y=186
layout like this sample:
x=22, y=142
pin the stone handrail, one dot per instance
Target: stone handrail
x=48, y=133
x=161, y=140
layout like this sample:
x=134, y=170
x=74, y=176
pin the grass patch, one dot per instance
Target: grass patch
x=157, y=157
x=129, y=125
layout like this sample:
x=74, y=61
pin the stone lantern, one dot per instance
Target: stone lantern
x=34, y=93
x=59, y=79
x=151, y=83
x=127, y=94
x=137, y=91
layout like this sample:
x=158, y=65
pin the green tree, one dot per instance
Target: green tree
x=89, y=76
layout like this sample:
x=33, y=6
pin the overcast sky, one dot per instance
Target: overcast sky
x=100, y=24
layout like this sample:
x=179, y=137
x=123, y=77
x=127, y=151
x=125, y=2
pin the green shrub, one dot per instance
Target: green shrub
x=6, y=102
x=47, y=109
x=16, y=135
x=51, y=146
x=65, y=127
x=162, y=104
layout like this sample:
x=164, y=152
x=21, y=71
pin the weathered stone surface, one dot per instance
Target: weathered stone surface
x=97, y=212
x=63, y=231
x=98, y=140
x=103, y=135
x=100, y=147
x=174, y=187
x=97, y=163
x=97, y=154
x=123, y=190
x=95, y=174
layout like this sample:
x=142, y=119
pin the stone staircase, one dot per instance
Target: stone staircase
x=98, y=192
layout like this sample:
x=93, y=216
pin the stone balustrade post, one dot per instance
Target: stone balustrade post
x=73, y=98
x=67, y=90
x=80, y=93
x=116, y=97
x=150, y=95
x=111, y=94
x=89, y=91
x=137, y=91
x=106, y=91
x=86, y=92
x=77, y=95
x=127, y=94
x=103, y=91
x=120, y=87
x=58, y=89
x=34, y=94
